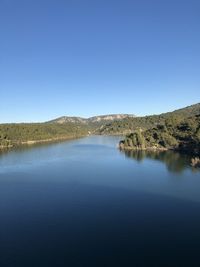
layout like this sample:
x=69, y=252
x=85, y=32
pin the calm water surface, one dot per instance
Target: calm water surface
x=85, y=203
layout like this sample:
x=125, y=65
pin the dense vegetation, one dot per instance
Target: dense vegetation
x=175, y=132
x=16, y=134
x=128, y=125
x=93, y=123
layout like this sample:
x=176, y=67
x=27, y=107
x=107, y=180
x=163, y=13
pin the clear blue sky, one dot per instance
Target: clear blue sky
x=80, y=57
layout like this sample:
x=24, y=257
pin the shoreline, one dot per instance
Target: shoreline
x=42, y=141
x=195, y=160
x=122, y=147
x=175, y=149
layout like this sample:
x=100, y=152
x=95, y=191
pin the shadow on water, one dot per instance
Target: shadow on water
x=174, y=161
x=80, y=204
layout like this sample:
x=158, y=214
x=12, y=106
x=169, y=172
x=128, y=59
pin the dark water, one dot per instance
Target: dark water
x=84, y=203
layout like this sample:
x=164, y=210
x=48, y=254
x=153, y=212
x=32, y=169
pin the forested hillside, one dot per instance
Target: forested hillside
x=93, y=124
x=16, y=134
x=180, y=126
x=128, y=125
x=176, y=133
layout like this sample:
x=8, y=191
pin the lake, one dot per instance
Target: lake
x=84, y=203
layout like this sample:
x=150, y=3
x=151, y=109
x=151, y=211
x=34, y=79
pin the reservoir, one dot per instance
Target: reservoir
x=83, y=203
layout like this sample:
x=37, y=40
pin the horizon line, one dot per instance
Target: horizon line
x=101, y=115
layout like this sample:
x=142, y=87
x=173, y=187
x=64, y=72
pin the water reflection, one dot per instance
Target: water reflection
x=174, y=161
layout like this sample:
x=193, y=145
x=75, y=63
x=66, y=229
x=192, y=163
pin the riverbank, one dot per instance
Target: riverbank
x=194, y=159
x=121, y=146
x=12, y=135
x=42, y=141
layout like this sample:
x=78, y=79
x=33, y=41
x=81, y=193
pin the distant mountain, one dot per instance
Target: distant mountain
x=117, y=118
x=185, y=121
x=186, y=112
x=66, y=119
x=111, y=117
x=128, y=125
x=92, y=120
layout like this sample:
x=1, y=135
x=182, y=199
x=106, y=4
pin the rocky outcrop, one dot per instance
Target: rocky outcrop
x=95, y=119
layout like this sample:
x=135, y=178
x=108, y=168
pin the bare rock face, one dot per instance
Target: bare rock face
x=66, y=119
x=95, y=119
x=111, y=117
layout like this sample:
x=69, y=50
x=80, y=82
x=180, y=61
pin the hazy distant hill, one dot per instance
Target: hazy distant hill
x=186, y=112
x=127, y=125
x=96, y=119
x=102, y=119
x=111, y=117
x=66, y=119
x=72, y=127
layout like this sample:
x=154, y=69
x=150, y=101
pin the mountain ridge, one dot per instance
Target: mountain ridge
x=128, y=125
x=93, y=119
x=186, y=111
x=14, y=134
